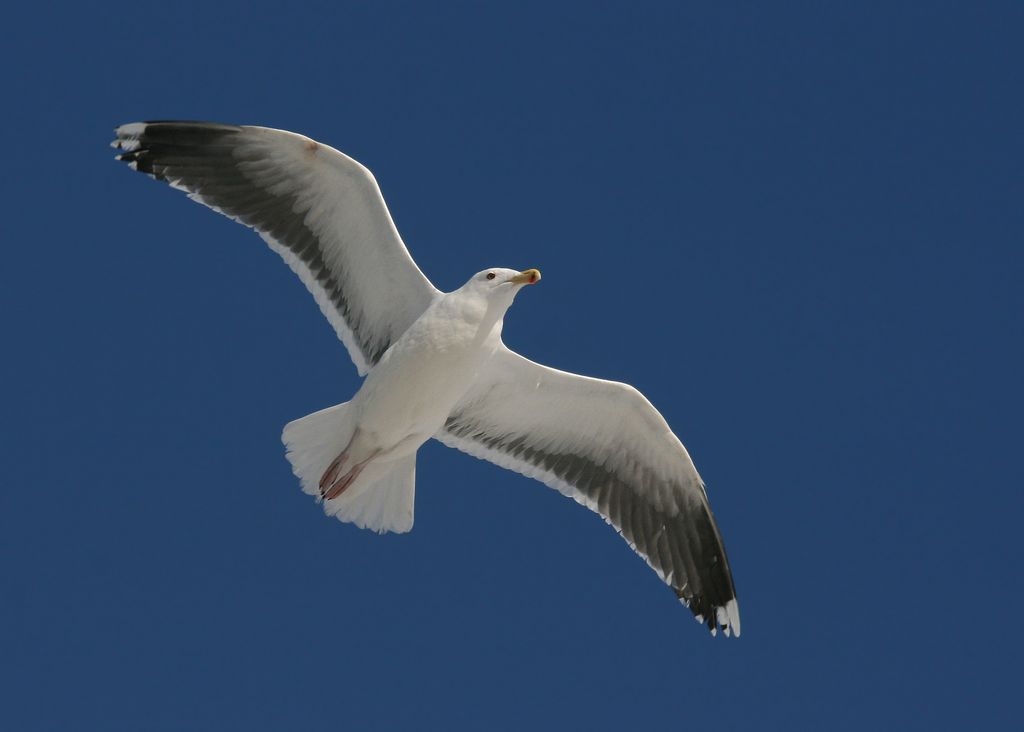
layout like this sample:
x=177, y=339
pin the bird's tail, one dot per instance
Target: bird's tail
x=380, y=499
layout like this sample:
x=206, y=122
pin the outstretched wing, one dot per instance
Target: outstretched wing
x=603, y=444
x=316, y=207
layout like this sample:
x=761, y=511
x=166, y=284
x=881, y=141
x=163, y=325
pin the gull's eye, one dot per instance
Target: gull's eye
x=490, y=275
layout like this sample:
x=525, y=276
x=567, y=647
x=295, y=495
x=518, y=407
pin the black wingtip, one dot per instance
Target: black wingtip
x=724, y=616
x=176, y=133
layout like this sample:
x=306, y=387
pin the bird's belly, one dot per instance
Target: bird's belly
x=406, y=399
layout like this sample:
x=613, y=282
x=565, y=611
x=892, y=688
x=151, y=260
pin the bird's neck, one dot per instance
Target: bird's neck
x=487, y=322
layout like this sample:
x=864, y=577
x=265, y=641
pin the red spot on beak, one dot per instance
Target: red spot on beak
x=527, y=277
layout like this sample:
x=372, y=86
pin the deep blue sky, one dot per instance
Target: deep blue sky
x=798, y=230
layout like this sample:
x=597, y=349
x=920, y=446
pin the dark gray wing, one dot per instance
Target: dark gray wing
x=604, y=445
x=316, y=207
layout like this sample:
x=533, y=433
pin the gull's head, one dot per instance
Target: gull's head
x=499, y=284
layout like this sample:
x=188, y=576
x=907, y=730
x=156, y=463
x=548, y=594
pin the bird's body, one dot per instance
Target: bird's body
x=435, y=363
x=407, y=396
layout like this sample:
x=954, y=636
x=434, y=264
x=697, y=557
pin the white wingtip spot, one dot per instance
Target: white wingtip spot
x=132, y=129
x=727, y=617
x=732, y=610
x=127, y=144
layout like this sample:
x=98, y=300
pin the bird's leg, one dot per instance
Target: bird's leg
x=332, y=471
x=331, y=474
x=337, y=486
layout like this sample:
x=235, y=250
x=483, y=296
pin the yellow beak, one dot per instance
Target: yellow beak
x=526, y=277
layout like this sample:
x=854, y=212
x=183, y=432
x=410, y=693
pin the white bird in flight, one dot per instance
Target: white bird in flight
x=435, y=364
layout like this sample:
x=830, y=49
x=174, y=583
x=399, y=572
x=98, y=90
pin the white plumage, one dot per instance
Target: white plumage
x=435, y=364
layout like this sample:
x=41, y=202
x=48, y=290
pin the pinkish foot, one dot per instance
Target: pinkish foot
x=331, y=474
x=331, y=487
x=338, y=487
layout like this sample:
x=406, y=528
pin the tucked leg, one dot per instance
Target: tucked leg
x=331, y=474
x=337, y=485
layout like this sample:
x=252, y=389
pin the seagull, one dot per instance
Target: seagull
x=435, y=365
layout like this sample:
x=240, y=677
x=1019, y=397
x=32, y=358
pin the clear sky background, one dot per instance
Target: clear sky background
x=797, y=229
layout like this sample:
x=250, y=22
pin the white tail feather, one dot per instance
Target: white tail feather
x=380, y=499
x=314, y=441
